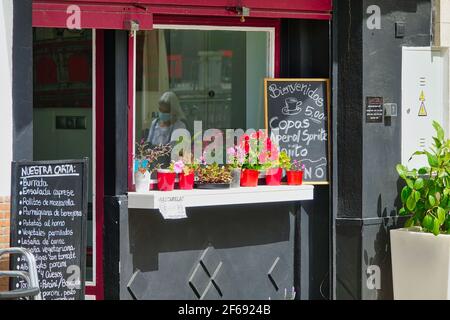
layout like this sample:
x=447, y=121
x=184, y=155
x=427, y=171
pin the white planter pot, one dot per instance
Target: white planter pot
x=420, y=265
x=142, y=181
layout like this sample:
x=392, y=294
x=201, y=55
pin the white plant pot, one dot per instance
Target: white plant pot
x=142, y=181
x=420, y=265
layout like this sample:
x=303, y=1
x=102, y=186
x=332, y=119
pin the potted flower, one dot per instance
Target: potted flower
x=185, y=168
x=236, y=156
x=145, y=161
x=275, y=172
x=421, y=250
x=166, y=178
x=213, y=176
x=295, y=173
x=256, y=158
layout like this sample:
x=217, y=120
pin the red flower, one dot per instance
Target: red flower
x=269, y=144
x=247, y=147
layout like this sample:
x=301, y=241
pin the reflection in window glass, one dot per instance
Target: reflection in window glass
x=62, y=99
x=215, y=77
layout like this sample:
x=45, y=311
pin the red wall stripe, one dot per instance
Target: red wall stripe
x=97, y=290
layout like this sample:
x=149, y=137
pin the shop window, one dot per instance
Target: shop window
x=79, y=69
x=46, y=72
x=216, y=77
x=63, y=108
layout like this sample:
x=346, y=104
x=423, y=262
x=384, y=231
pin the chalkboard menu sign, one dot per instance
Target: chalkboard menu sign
x=49, y=213
x=296, y=113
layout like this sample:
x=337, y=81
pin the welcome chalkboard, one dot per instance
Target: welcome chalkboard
x=296, y=113
x=49, y=213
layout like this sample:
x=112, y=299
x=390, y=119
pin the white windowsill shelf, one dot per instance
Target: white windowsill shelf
x=223, y=197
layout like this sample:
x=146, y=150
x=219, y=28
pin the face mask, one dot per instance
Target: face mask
x=164, y=116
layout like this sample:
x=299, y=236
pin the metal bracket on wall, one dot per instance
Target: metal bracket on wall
x=132, y=26
x=240, y=11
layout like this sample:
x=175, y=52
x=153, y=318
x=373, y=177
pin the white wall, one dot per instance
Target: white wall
x=6, y=27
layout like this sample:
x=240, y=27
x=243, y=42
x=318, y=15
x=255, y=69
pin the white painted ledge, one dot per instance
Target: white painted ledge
x=223, y=197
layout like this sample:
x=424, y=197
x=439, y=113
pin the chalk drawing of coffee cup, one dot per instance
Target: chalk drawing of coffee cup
x=292, y=107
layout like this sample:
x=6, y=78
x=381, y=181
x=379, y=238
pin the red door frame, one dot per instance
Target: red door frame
x=131, y=106
x=97, y=290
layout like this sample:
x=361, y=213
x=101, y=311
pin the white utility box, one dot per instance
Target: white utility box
x=425, y=98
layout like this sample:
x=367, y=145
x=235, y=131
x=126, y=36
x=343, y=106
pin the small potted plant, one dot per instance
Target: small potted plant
x=146, y=161
x=255, y=159
x=236, y=156
x=166, y=178
x=185, y=168
x=213, y=176
x=295, y=173
x=275, y=174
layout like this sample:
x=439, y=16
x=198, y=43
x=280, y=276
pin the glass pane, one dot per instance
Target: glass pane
x=62, y=103
x=216, y=77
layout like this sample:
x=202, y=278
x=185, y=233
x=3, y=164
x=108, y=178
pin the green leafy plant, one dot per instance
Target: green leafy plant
x=283, y=161
x=426, y=195
x=213, y=174
x=146, y=157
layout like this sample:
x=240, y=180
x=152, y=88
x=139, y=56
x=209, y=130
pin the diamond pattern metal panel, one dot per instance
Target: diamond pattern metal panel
x=203, y=279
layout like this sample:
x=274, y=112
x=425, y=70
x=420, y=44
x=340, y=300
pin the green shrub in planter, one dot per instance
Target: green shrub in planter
x=426, y=196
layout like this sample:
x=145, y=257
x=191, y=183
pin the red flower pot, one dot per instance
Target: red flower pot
x=166, y=180
x=295, y=178
x=186, y=181
x=273, y=176
x=249, y=178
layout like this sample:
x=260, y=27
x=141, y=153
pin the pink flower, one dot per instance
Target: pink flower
x=274, y=154
x=231, y=152
x=241, y=157
x=261, y=135
x=202, y=159
x=263, y=156
x=178, y=166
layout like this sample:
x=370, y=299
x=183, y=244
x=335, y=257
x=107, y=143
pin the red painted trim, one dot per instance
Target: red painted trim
x=97, y=290
x=131, y=94
x=54, y=15
x=140, y=9
x=277, y=49
x=223, y=12
x=310, y=5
